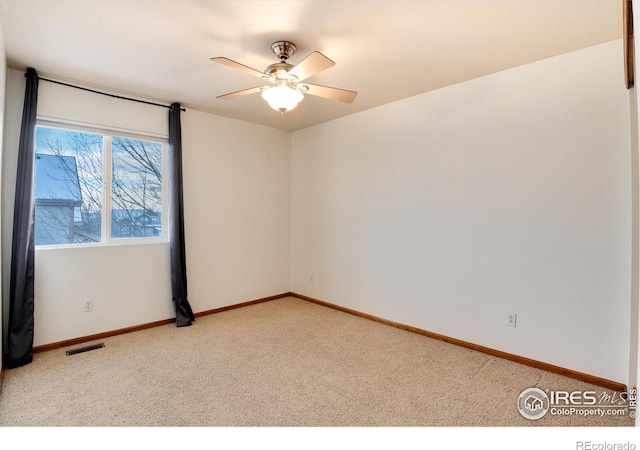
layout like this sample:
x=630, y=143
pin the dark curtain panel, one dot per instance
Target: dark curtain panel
x=184, y=314
x=20, y=330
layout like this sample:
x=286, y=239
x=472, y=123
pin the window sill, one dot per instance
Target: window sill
x=118, y=243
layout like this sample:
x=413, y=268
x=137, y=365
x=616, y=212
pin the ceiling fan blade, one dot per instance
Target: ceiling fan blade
x=341, y=95
x=242, y=93
x=314, y=63
x=236, y=65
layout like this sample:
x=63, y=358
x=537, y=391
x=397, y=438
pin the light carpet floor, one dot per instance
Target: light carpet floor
x=286, y=362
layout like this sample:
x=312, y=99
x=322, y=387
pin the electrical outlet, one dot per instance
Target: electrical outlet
x=511, y=319
x=87, y=305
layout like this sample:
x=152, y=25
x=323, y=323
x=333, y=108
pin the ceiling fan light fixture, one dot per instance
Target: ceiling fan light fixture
x=282, y=97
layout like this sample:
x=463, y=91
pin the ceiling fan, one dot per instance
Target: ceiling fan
x=286, y=89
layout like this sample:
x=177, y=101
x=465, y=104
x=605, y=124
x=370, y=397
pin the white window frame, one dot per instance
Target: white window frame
x=108, y=133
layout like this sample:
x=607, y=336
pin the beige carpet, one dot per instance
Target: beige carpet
x=286, y=362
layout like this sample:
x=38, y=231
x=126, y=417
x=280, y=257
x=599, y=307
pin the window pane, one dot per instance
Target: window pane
x=68, y=186
x=136, y=188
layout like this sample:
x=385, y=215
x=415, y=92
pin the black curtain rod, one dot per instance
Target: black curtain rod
x=109, y=95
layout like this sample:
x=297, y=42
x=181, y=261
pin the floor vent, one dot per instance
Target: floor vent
x=84, y=349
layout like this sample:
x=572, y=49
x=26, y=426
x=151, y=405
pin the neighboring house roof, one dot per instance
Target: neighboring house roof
x=57, y=179
x=136, y=214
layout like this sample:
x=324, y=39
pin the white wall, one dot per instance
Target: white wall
x=237, y=210
x=634, y=345
x=508, y=193
x=3, y=81
x=229, y=213
x=635, y=244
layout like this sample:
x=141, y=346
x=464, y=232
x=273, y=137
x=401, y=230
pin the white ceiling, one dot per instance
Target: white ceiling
x=384, y=50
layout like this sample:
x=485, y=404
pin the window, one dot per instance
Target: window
x=93, y=187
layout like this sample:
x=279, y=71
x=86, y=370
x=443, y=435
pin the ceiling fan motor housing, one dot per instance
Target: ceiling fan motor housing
x=278, y=70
